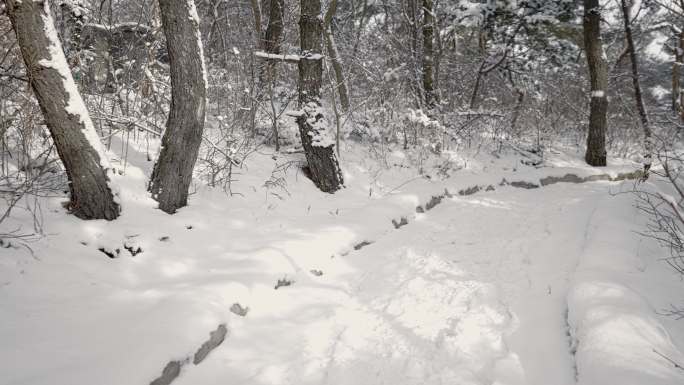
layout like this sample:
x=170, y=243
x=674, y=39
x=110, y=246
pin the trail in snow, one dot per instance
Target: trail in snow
x=472, y=292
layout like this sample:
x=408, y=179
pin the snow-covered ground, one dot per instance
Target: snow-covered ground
x=512, y=286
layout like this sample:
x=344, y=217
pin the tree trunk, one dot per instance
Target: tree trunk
x=274, y=36
x=641, y=107
x=317, y=139
x=428, y=54
x=598, y=74
x=256, y=11
x=172, y=173
x=677, y=94
x=334, y=56
x=411, y=19
x=73, y=16
x=67, y=118
x=268, y=70
x=438, y=52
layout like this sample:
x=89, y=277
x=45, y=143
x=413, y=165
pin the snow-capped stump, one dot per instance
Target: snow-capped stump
x=596, y=178
x=401, y=222
x=133, y=249
x=362, y=244
x=216, y=338
x=636, y=174
x=237, y=309
x=5, y=244
x=283, y=282
x=170, y=372
x=173, y=368
x=524, y=184
x=434, y=201
x=316, y=272
x=469, y=191
x=110, y=253
x=567, y=178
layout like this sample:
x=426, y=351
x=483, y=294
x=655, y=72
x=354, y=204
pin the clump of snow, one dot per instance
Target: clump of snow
x=659, y=92
x=321, y=134
x=273, y=56
x=656, y=48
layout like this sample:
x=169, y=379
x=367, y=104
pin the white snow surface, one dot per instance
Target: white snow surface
x=512, y=286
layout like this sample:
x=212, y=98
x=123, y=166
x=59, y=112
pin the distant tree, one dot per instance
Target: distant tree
x=67, y=119
x=598, y=75
x=428, y=54
x=317, y=138
x=172, y=173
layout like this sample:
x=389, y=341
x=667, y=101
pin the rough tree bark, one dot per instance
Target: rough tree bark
x=598, y=74
x=172, y=173
x=317, y=138
x=74, y=135
x=256, y=11
x=334, y=56
x=273, y=38
x=74, y=20
x=428, y=54
x=641, y=107
x=268, y=70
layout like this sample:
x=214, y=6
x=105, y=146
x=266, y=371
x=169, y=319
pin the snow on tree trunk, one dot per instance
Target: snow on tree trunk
x=73, y=20
x=172, y=173
x=67, y=118
x=317, y=137
x=598, y=74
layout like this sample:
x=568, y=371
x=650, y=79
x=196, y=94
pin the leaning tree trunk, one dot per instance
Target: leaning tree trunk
x=641, y=107
x=66, y=116
x=334, y=55
x=172, y=173
x=598, y=74
x=428, y=54
x=317, y=139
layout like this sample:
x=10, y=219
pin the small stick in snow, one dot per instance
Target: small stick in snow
x=675, y=364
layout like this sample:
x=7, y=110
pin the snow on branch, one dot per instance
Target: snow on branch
x=287, y=58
